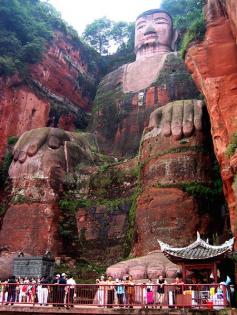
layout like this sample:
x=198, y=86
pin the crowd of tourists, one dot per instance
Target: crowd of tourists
x=157, y=292
x=62, y=291
x=124, y=292
x=59, y=290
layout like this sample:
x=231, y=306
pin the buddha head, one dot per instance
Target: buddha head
x=154, y=33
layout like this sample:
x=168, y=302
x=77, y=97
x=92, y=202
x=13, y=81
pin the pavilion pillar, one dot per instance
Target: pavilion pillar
x=215, y=272
x=184, y=273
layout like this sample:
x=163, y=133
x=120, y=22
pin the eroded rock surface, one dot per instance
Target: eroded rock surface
x=57, y=92
x=213, y=64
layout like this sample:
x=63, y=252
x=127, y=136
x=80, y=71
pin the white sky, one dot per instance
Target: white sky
x=79, y=13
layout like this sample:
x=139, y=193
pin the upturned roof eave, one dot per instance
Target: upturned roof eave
x=216, y=251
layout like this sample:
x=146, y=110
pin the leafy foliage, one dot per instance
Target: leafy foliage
x=102, y=34
x=24, y=31
x=188, y=19
x=98, y=34
x=12, y=140
x=125, y=51
x=4, y=167
x=232, y=146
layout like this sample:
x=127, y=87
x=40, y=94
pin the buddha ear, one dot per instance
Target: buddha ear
x=174, y=40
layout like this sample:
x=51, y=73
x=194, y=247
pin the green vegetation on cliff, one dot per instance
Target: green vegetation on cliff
x=107, y=112
x=231, y=148
x=103, y=34
x=188, y=18
x=25, y=30
x=4, y=167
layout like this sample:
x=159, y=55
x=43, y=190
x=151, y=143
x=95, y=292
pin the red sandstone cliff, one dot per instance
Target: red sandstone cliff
x=213, y=64
x=54, y=93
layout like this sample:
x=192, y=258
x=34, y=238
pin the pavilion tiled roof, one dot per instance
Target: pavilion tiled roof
x=199, y=250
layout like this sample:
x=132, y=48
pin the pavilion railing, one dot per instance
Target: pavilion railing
x=118, y=295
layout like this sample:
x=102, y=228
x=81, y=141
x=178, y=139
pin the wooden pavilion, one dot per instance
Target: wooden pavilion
x=199, y=255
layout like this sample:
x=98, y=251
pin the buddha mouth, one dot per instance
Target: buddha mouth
x=151, y=36
x=149, y=41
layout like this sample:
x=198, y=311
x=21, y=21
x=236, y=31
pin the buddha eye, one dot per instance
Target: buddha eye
x=161, y=21
x=140, y=27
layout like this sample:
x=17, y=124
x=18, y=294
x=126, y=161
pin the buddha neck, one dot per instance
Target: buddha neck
x=149, y=51
x=143, y=72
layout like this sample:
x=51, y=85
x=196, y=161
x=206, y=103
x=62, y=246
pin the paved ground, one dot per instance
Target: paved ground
x=93, y=310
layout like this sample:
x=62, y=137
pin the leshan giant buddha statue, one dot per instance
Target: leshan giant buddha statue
x=127, y=96
x=153, y=96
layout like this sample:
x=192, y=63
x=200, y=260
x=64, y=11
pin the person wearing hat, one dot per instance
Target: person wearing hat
x=71, y=285
x=55, y=289
x=61, y=289
x=110, y=291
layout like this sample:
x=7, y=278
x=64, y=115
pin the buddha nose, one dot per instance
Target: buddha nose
x=149, y=30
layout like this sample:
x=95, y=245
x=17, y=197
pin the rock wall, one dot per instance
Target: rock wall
x=56, y=92
x=102, y=224
x=213, y=64
x=31, y=228
x=165, y=210
x=230, y=7
x=20, y=110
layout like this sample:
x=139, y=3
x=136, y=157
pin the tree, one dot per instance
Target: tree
x=98, y=35
x=120, y=33
x=188, y=19
x=125, y=46
x=25, y=27
x=184, y=12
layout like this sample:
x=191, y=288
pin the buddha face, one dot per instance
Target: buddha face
x=153, y=33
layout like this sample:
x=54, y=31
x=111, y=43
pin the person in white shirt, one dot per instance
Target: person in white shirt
x=71, y=285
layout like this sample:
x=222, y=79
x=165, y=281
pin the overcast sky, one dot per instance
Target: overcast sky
x=79, y=13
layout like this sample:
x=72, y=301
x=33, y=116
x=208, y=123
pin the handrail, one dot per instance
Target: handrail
x=143, y=295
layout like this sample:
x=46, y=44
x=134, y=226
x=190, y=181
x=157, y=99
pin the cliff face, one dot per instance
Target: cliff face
x=231, y=9
x=165, y=210
x=21, y=109
x=213, y=64
x=72, y=200
x=57, y=92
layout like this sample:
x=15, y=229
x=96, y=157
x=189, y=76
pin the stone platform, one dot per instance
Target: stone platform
x=91, y=310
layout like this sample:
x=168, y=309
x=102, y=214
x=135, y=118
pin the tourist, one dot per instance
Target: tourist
x=31, y=293
x=11, y=298
x=130, y=291
x=110, y=291
x=120, y=291
x=70, y=290
x=5, y=291
x=39, y=290
x=160, y=292
x=149, y=293
x=44, y=291
x=101, y=296
x=144, y=293
x=1, y=292
x=19, y=289
x=178, y=287
x=223, y=291
x=61, y=289
x=55, y=290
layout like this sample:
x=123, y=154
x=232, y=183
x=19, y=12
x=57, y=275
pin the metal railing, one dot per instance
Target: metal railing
x=117, y=295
